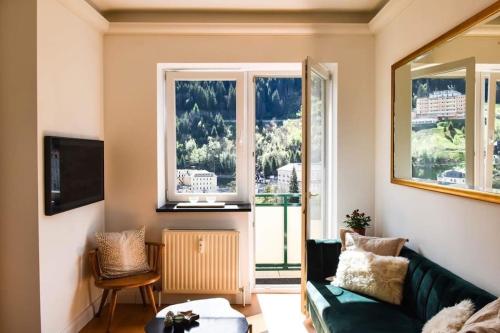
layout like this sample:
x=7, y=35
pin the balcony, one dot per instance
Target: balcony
x=277, y=238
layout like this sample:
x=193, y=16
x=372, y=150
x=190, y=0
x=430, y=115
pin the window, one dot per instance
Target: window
x=205, y=152
x=278, y=134
x=441, y=113
x=491, y=131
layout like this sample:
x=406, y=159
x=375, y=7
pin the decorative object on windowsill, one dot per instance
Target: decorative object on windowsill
x=193, y=199
x=357, y=222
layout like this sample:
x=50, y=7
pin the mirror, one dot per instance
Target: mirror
x=446, y=112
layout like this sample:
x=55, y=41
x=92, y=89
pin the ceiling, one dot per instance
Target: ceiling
x=241, y=5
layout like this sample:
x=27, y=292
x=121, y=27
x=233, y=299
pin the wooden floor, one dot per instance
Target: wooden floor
x=131, y=318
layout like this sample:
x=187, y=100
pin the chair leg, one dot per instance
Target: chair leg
x=151, y=298
x=112, y=307
x=143, y=295
x=103, y=301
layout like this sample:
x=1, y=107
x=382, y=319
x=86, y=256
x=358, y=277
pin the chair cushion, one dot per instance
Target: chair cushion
x=337, y=310
x=122, y=253
x=132, y=281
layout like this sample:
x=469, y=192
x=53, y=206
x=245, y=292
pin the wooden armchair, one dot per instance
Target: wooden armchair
x=142, y=281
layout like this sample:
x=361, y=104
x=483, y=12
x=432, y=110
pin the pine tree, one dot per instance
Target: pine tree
x=294, y=185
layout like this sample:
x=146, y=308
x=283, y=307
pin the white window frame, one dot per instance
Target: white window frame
x=487, y=130
x=469, y=65
x=241, y=193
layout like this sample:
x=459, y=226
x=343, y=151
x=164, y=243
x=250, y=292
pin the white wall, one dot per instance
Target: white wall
x=130, y=120
x=19, y=287
x=459, y=234
x=69, y=104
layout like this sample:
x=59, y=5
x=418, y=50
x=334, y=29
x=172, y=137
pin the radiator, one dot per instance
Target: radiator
x=201, y=261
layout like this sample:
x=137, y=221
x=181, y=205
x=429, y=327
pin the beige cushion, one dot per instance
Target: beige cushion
x=122, y=253
x=342, y=233
x=376, y=245
x=381, y=277
x=486, y=320
x=450, y=320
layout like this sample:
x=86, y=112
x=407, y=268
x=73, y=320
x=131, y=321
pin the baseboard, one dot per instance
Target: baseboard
x=84, y=317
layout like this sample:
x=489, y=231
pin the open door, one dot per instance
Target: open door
x=315, y=78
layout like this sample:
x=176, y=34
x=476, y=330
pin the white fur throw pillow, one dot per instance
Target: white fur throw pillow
x=450, y=320
x=381, y=277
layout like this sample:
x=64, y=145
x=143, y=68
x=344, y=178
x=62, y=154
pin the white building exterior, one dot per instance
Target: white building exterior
x=196, y=181
x=285, y=177
x=452, y=177
x=444, y=103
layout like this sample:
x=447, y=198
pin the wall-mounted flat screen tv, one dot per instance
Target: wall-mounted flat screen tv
x=74, y=173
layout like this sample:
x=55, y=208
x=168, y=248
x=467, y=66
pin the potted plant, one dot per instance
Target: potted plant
x=357, y=221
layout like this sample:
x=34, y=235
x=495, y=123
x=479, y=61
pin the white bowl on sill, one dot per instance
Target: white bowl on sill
x=193, y=199
x=210, y=199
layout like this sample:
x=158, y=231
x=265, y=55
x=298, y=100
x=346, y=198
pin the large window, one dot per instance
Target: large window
x=204, y=151
x=442, y=109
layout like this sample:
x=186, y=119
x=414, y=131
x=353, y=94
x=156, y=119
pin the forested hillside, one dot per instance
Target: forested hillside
x=206, y=126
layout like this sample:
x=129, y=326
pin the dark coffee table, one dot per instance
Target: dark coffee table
x=216, y=316
x=205, y=325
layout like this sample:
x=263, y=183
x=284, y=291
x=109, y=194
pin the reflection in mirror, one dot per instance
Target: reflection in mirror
x=446, y=112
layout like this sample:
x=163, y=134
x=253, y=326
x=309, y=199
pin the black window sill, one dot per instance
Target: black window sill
x=230, y=206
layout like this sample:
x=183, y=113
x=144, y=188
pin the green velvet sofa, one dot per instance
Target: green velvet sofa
x=428, y=288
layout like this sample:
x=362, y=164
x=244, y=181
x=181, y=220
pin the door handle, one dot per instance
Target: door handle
x=311, y=195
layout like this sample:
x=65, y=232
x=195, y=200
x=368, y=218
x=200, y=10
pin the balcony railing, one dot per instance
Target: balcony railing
x=277, y=230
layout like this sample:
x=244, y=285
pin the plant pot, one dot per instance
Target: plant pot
x=360, y=231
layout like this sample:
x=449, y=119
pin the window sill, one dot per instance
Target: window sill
x=231, y=206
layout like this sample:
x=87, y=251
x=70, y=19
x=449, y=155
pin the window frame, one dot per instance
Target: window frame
x=487, y=129
x=241, y=139
x=251, y=77
x=469, y=65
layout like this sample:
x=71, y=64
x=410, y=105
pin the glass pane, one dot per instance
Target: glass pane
x=206, y=136
x=278, y=135
x=278, y=168
x=496, y=143
x=438, y=128
x=316, y=152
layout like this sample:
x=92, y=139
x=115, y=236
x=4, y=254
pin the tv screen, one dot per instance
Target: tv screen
x=74, y=173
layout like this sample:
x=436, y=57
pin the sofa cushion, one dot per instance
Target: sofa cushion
x=337, y=310
x=429, y=288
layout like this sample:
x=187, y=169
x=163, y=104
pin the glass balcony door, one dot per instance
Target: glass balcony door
x=278, y=165
x=315, y=101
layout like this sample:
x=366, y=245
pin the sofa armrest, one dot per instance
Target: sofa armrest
x=322, y=258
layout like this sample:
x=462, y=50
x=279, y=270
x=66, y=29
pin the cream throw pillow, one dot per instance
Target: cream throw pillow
x=486, y=320
x=451, y=319
x=381, y=277
x=122, y=253
x=342, y=233
x=376, y=245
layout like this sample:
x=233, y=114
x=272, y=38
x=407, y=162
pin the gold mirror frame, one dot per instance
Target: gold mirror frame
x=462, y=27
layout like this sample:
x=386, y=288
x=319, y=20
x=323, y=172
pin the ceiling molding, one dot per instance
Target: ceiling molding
x=116, y=28
x=299, y=5
x=392, y=9
x=239, y=16
x=87, y=13
x=485, y=30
